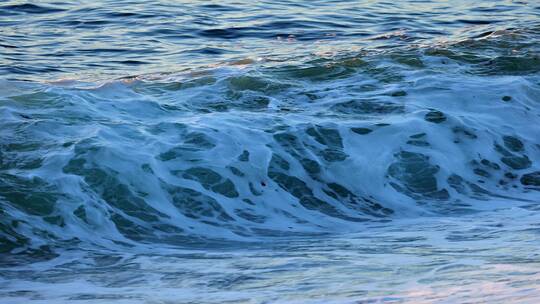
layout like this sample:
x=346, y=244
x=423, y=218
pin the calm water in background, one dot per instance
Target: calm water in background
x=270, y=152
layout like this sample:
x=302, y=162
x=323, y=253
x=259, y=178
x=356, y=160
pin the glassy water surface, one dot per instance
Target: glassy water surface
x=269, y=152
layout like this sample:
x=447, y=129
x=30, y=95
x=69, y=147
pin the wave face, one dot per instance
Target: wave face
x=254, y=151
x=138, y=134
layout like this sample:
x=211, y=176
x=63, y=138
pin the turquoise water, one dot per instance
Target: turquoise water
x=269, y=152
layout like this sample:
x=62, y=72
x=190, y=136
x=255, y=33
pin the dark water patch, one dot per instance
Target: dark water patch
x=196, y=205
x=212, y=180
x=193, y=142
x=484, y=34
x=29, y=9
x=531, y=179
x=249, y=215
x=305, y=196
x=477, y=22
x=85, y=24
x=512, y=160
x=326, y=136
x=8, y=46
x=398, y=94
x=210, y=51
x=373, y=107
x=131, y=62
x=227, y=33
x=244, y=157
x=490, y=164
x=315, y=72
x=139, y=15
x=510, y=65
x=159, y=87
x=218, y=7
x=465, y=187
x=419, y=142
x=258, y=84
x=27, y=70
x=414, y=175
x=32, y=195
x=361, y=131
x=462, y=131
x=435, y=116
x=513, y=143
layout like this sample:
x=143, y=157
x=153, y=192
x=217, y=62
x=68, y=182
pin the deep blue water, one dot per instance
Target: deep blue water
x=269, y=152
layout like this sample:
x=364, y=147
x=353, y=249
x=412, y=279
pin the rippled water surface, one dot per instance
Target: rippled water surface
x=270, y=152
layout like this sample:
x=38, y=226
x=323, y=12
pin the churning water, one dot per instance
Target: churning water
x=270, y=151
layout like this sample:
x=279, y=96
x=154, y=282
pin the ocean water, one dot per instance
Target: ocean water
x=270, y=151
